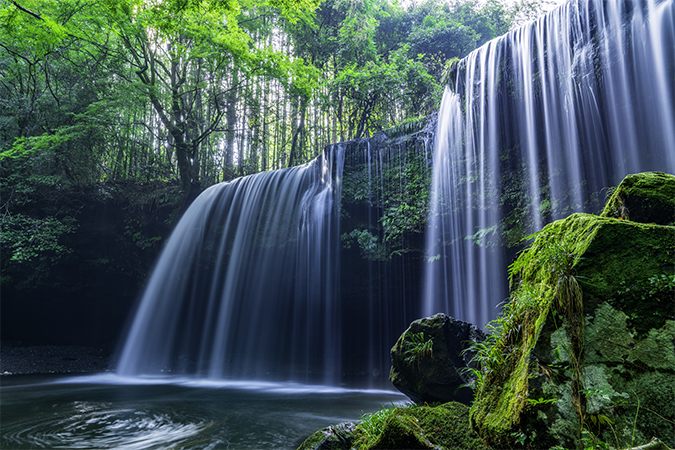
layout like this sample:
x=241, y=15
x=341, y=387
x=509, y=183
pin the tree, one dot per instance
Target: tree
x=188, y=59
x=206, y=90
x=183, y=55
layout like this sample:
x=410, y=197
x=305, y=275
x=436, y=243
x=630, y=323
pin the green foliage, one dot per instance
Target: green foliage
x=643, y=295
x=24, y=238
x=406, y=127
x=406, y=209
x=417, y=347
x=395, y=183
x=198, y=90
x=371, y=249
x=508, y=337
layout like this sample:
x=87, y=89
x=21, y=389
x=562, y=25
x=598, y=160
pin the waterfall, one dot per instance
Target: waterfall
x=539, y=124
x=302, y=274
x=246, y=286
x=279, y=276
x=381, y=266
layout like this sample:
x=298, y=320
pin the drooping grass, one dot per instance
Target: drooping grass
x=371, y=426
x=542, y=278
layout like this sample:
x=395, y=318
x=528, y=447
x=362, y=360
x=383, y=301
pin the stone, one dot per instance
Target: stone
x=334, y=437
x=403, y=427
x=430, y=363
x=647, y=197
x=441, y=427
x=602, y=368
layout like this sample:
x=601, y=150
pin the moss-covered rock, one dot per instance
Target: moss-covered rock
x=334, y=437
x=647, y=197
x=429, y=360
x=445, y=426
x=585, y=349
x=404, y=427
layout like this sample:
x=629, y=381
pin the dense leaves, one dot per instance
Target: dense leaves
x=194, y=92
x=206, y=90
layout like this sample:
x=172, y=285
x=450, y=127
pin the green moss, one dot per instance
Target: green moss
x=314, y=440
x=416, y=427
x=644, y=197
x=334, y=437
x=613, y=256
x=501, y=398
x=543, y=359
x=408, y=126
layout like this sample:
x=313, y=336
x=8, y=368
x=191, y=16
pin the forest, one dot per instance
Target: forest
x=174, y=96
x=207, y=91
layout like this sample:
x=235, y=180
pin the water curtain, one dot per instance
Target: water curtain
x=536, y=125
x=247, y=284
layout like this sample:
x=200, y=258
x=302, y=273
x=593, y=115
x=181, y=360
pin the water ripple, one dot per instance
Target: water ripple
x=100, y=425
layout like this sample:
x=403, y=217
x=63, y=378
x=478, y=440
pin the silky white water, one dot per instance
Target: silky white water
x=539, y=124
x=246, y=286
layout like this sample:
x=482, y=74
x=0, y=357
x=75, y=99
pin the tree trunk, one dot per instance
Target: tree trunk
x=297, y=141
x=231, y=119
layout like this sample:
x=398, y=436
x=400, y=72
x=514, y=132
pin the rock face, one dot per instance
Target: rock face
x=429, y=363
x=586, y=349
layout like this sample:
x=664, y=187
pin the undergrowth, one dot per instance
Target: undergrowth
x=417, y=348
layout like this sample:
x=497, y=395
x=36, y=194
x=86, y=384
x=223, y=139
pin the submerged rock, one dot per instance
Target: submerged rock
x=586, y=349
x=429, y=362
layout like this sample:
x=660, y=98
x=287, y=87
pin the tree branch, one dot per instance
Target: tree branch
x=654, y=444
x=27, y=11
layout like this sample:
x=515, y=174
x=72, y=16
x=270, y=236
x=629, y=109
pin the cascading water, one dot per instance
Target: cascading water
x=539, y=123
x=257, y=281
x=247, y=284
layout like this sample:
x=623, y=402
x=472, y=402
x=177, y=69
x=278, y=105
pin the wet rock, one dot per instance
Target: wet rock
x=429, y=362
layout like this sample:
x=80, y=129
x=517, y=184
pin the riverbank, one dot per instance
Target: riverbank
x=17, y=358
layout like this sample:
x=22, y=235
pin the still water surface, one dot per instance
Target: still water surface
x=106, y=411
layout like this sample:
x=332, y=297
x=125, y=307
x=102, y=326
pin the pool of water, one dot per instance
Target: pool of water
x=106, y=411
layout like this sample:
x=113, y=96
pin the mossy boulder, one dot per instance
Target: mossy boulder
x=429, y=361
x=585, y=349
x=647, y=197
x=445, y=426
x=334, y=437
x=404, y=427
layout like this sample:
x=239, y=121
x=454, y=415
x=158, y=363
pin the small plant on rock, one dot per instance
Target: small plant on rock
x=418, y=347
